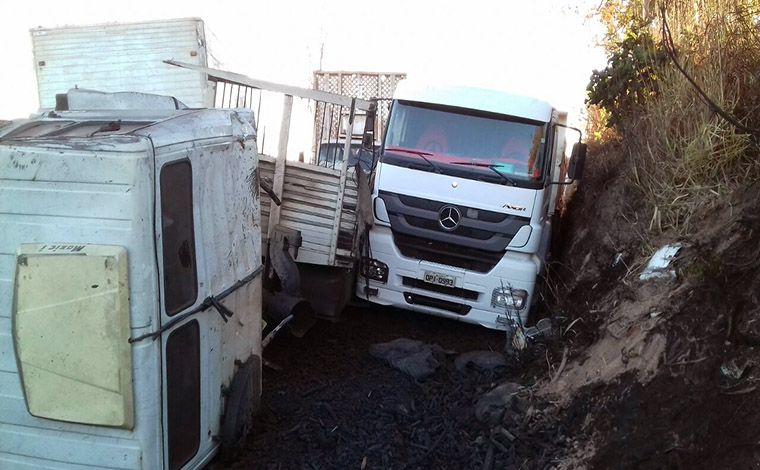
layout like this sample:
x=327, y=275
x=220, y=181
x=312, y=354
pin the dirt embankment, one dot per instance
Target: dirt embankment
x=660, y=374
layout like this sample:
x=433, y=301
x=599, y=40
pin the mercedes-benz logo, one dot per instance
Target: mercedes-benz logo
x=448, y=218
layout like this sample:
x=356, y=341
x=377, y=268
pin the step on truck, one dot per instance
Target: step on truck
x=463, y=200
x=130, y=284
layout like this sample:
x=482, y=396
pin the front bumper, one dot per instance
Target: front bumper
x=470, y=298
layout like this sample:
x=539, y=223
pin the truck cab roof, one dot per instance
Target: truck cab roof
x=89, y=113
x=482, y=99
x=161, y=126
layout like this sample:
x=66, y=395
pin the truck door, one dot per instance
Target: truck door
x=183, y=369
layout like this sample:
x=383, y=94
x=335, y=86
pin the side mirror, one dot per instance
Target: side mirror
x=368, y=137
x=577, y=161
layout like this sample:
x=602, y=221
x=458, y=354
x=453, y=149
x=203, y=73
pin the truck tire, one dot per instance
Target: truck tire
x=243, y=402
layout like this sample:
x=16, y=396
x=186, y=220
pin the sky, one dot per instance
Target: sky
x=540, y=48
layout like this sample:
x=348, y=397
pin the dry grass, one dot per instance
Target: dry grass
x=683, y=155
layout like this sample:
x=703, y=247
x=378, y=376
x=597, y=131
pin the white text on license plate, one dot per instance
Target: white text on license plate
x=440, y=279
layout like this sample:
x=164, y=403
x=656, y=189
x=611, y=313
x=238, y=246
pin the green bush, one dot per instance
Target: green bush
x=682, y=154
x=630, y=78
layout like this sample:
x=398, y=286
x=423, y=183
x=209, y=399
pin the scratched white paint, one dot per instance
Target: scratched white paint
x=102, y=191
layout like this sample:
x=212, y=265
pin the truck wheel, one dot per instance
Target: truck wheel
x=243, y=402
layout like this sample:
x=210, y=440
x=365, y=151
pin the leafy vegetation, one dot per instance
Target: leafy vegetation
x=682, y=90
x=630, y=78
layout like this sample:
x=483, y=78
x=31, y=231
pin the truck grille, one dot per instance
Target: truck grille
x=433, y=226
x=483, y=230
x=452, y=291
x=446, y=254
x=453, y=307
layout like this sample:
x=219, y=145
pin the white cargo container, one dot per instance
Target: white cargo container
x=118, y=57
x=130, y=294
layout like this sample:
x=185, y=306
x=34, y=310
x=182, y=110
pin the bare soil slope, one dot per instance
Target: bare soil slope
x=662, y=374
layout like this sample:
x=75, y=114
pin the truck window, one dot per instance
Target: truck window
x=183, y=389
x=177, y=237
x=467, y=142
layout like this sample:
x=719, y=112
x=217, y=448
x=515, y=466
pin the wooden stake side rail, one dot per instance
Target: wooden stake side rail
x=318, y=201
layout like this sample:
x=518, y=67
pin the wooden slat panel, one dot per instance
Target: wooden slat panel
x=312, y=257
x=307, y=226
x=309, y=204
x=314, y=169
x=309, y=210
x=297, y=194
x=315, y=247
x=342, y=252
x=311, y=177
x=310, y=188
x=267, y=167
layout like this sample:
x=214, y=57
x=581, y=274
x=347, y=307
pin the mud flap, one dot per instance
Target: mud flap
x=328, y=289
x=281, y=261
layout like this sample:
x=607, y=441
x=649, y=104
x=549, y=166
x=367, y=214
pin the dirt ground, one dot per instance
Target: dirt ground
x=334, y=406
x=651, y=375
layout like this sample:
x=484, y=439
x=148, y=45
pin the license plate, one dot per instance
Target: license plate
x=440, y=279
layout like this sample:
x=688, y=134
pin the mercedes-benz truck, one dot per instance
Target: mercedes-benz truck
x=463, y=200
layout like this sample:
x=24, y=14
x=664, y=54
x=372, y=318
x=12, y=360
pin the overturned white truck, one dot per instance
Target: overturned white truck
x=130, y=284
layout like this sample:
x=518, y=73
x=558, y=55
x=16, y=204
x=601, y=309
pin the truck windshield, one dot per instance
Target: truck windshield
x=467, y=144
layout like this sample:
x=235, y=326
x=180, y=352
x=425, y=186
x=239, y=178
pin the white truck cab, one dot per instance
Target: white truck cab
x=462, y=200
x=130, y=294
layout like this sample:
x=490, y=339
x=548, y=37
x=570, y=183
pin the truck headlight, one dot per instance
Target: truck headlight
x=507, y=297
x=374, y=269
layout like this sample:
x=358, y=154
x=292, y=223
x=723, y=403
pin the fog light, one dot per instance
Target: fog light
x=374, y=269
x=510, y=298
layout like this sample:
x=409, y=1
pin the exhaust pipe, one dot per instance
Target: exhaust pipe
x=286, y=310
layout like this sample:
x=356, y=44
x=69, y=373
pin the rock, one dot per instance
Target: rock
x=414, y=358
x=481, y=359
x=490, y=407
x=733, y=371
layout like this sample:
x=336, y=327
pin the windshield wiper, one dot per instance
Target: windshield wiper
x=491, y=167
x=419, y=154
